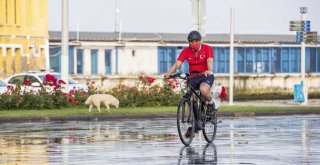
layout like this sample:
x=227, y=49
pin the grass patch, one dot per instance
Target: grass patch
x=139, y=110
x=84, y=112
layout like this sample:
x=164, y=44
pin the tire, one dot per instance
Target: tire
x=210, y=154
x=185, y=121
x=210, y=128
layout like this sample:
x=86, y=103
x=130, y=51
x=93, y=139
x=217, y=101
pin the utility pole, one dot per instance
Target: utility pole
x=64, y=43
x=116, y=15
x=231, y=67
x=199, y=16
x=303, y=11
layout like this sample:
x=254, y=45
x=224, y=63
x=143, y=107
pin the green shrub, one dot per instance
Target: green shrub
x=146, y=94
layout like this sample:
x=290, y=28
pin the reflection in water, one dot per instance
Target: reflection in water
x=254, y=140
x=42, y=143
x=304, y=145
x=231, y=142
x=192, y=155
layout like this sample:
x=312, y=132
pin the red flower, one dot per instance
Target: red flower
x=61, y=82
x=50, y=77
x=26, y=82
x=75, y=102
x=56, y=87
x=9, y=87
x=146, y=79
x=93, y=82
x=150, y=79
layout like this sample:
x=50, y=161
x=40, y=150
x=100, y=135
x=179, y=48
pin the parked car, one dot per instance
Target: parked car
x=3, y=87
x=37, y=79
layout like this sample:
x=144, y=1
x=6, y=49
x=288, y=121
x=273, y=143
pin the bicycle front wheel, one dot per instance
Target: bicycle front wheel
x=210, y=128
x=185, y=121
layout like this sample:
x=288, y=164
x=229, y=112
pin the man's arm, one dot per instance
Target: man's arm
x=210, y=66
x=173, y=69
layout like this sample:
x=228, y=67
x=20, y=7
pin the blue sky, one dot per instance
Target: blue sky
x=174, y=16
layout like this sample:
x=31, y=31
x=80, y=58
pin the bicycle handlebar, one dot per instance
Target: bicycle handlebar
x=175, y=75
x=187, y=75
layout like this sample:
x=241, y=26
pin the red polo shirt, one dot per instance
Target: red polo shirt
x=197, y=61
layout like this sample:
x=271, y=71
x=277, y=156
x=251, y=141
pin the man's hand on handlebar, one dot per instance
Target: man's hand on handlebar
x=166, y=76
x=207, y=73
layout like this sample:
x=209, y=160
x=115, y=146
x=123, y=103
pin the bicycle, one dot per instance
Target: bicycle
x=187, y=116
x=193, y=155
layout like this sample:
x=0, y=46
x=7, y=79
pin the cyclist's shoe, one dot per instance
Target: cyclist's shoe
x=188, y=133
x=210, y=111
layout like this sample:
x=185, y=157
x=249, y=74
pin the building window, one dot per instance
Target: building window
x=286, y=60
x=94, y=61
x=79, y=61
x=294, y=58
x=261, y=60
x=311, y=54
x=133, y=52
x=239, y=54
x=275, y=60
x=249, y=60
x=318, y=59
x=55, y=58
x=3, y=11
x=221, y=59
x=253, y=60
x=107, y=61
x=167, y=56
x=71, y=63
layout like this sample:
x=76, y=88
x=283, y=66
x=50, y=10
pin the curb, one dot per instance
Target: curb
x=148, y=116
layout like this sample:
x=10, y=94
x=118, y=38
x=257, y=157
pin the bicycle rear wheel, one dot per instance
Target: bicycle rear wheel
x=185, y=121
x=210, y=128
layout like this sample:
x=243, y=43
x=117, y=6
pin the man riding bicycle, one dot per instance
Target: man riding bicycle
x=200, y=58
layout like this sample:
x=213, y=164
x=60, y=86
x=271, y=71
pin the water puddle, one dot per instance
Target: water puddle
x=256, y=140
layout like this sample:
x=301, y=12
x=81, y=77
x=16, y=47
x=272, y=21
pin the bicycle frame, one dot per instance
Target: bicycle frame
x=189, y=93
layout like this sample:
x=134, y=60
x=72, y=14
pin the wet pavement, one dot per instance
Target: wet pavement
x=245, y=140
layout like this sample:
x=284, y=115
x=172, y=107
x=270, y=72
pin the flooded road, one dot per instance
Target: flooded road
x=254, y=140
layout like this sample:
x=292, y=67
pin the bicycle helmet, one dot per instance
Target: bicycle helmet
x=194, y=35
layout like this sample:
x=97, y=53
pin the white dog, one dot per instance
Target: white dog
x=107, y=99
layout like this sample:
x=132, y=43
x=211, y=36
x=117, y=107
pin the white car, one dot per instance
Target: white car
x=37, y=78
x=3, y=87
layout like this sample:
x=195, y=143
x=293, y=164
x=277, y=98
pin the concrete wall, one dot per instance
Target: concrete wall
x=241, y=81
x=137, y=59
